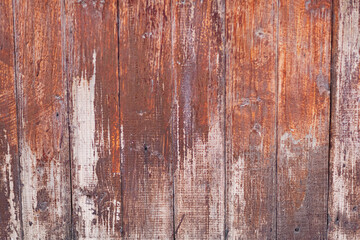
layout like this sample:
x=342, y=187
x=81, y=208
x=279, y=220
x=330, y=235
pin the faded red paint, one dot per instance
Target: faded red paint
x=146, y=118
x=303, y=118
x=251, y=118
x=42, y=116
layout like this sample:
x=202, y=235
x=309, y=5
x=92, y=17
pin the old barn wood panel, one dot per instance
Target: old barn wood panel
x=304, y=50
x=251, y=119
x=198, y=75
x=179, y=119
x=91, y=46
x=344, y=194
x=10, y=212
x=146, y=120
x=42, y=112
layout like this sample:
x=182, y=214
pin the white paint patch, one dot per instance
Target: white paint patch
x=86, y=156
x=237, y=196
x=29, y=178
x=7, y=172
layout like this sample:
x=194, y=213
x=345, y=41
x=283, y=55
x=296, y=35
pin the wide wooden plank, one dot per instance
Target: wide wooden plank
x=251, y=28
x=344, y=193
x=91, y=42
x=41, y=98
x=303, y=118
x=10, y=221
x=146, y=121
x=198, y=33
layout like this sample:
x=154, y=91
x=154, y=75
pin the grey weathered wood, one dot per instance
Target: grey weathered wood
x=344, y=193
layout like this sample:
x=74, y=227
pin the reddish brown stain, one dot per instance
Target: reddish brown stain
x=251, y=118
x=42, y=116
x=146, y=106
x=303, y=118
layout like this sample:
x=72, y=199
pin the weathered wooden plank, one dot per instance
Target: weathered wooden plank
x=92, y=71
x=251, y=118
x=344, y=192
x=10, y=221
x=41, y=94
x=198, y=33
x=146, y=120
x=303, y=118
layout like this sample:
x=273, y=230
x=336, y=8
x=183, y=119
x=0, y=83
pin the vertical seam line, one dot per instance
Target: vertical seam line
x=119, y=103
x=64, y=75
x=277, y=114
x=225, y=117
x=330, y=113
x=18, y=119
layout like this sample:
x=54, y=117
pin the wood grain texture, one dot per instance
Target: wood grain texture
x=303, y=118
x=146, y=120
x=344, y=193
x=251, y=28
x=91, y=40
x=10, y=207
x=41, y=99
x=199, y=85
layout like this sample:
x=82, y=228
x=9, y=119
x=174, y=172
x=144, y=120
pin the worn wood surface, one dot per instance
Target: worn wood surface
x=91, y=46
x=179, y=119
x=10, y=208
x=146, y=120
x=304, y=48
x=42, y=113
x=198, y=75
x=251, y=119
x=344, y=193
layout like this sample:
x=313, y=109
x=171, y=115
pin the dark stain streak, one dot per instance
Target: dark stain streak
x=181, y=220
x=42, y=201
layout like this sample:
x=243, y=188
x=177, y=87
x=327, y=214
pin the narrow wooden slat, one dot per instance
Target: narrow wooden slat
x=10, y=222
x=198, y=73
x=146, y=120
x=91, y=40
x=251, y=118
x=43, y=119
x=303, y=118
x=344, y=193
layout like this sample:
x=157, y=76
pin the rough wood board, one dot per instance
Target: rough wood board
x=42, y=111
x=10, y=215
x=303, y=118
x=91, y=43
x=344, y=192
x=146, y=120
x=251, y=118
x=198, y=74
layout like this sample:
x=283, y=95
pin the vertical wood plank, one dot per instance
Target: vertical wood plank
x=251, y=30
x=303, y=118
x=146, y=120
x=92, y=72
x=198, y=72
x=10, y=221
x=44, y=153
x=344, y=194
